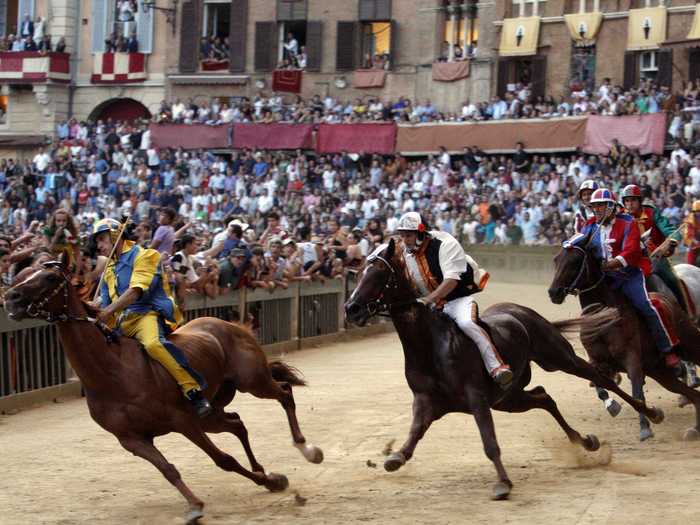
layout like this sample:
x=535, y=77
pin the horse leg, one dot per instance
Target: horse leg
x=667, y=379
x=272, y=482
x=484, y=420
x=612, y=406
x=423, y=416
x=282, y=392
x=637, y=379
x=574, y=365
x=145, y=449
x=221, y=421
x=539, y=398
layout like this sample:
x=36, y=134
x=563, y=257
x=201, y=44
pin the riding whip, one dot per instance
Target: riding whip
x=125, y=222
x=663, y=247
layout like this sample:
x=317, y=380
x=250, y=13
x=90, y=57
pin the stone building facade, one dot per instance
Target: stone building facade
x=558, y=45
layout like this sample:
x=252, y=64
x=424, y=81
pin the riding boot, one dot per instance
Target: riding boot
x=199, y=403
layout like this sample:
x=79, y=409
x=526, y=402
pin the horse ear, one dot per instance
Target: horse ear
x=63, y=260
x=391, y=248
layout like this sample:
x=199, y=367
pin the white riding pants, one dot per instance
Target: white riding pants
x=464, y=311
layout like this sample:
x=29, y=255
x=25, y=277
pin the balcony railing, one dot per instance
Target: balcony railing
x=33, y=67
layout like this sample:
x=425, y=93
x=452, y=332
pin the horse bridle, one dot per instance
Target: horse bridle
x=37, y=310
x=572, y=289
x=378, y=306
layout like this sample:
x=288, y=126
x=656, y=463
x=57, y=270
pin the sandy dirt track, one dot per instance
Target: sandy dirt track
x=59, y=467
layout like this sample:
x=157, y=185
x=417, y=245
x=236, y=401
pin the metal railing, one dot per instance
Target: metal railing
x=31, y=357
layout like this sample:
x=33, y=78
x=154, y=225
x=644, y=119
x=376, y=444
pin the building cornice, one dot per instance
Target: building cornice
x=608, y=16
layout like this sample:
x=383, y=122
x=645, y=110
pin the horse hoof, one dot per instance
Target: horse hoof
x=276, y=482
x=194, y=515
x=591, y=443
x=312, y=453
x=645, y=433
x=658, y=416
x=691, y=434
x=394, y=462
x=683, y=401
x=501, y=490
x=613, y=407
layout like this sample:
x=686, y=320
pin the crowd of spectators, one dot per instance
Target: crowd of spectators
x=264, y=219
x=683, y=108
x=32, y=36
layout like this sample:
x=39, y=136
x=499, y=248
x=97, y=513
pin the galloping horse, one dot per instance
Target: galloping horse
x=628, y=346
x=444, y=368
x=135, y=399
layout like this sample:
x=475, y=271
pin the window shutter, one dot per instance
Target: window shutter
x=394, y=44
x=266, y=35
x=631, y=68
x=347, y=35
x=3, y=17
x=664, y=59
x=367, y=10
x=98, y=19
x=284, y=10
x=539, y=76
x=238, y=36
x=189, y=37
x=144, y=30
x=693, y=64
x=289, y=10
x=299, y=10
x=383, y=9
x=314, y=45
x=503, y=76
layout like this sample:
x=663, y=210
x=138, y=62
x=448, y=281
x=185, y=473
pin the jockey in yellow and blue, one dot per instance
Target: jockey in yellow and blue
x=135, y=292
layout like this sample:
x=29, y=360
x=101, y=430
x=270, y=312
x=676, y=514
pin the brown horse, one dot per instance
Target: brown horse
x=627, y=346
x=134, y=398
x=444, y=368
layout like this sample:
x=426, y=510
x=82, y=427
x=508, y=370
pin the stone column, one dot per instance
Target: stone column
x=452, y=11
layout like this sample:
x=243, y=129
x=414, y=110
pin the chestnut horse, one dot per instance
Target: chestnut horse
x=444, y=368
x=627, y=346
x=135, y=398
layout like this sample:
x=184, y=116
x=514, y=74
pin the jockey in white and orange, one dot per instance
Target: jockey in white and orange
x=447, y=277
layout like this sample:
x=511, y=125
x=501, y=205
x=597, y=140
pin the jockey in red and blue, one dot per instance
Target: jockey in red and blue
x=616, y=239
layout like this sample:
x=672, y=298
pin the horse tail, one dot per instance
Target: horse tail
x=594, y=323
x=286, y=373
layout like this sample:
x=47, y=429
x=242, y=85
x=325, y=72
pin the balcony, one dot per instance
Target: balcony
x=34, y=67
x=119, y=68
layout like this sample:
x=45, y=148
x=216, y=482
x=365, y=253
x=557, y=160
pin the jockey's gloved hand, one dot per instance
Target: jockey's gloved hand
x=671, y=249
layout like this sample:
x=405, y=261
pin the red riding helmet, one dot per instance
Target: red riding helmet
x=631, y=191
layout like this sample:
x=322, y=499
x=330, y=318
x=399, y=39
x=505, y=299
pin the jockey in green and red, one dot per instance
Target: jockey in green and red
x=654, y=229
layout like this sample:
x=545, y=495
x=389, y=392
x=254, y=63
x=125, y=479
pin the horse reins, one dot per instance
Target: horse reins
x=378, y=306
x=36, y=310
x=572, y=289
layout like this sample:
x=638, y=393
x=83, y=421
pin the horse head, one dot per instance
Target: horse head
x=44, y=294
x=382, y=285
x=576, y=269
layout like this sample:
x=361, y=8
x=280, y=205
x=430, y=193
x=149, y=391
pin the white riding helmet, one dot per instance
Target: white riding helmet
x=410, y=222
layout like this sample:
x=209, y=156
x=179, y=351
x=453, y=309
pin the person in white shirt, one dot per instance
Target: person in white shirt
x=694, y=176
x=41, y=160
x=447, y=277
x=291, y=46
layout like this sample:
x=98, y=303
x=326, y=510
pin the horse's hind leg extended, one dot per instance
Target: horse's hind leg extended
x=282, y=392
x=221, y=421
x=574, y=365
x=272, y=482
x=423, y=416
x=667, y=379
x=539, y=398
x=145, y=449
